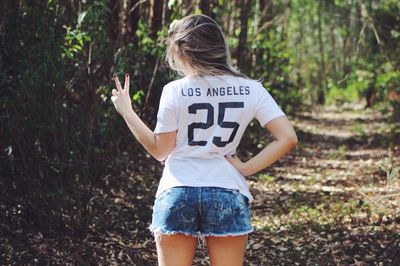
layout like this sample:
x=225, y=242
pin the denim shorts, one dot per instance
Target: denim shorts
x=201, y=211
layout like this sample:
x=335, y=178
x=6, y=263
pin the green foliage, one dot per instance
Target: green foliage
x=146, y=43
x=311, y=180
x=337, y=95
x=340, y=153
x=274, y=68
x=74, y=41
x=138, y=97
x=392, y=170
x=266, y=178
x=358, y=129
x=388, y=85
x=356, y=86
x=388, y=80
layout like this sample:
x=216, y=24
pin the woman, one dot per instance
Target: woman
x=200, y=122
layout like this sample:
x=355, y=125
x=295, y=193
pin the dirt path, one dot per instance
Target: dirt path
x=332, y=201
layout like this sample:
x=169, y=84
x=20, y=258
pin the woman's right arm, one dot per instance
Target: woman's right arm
x=159, y=145
x=285, y=140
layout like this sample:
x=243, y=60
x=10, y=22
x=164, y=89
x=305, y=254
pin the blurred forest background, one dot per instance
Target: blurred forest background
x=76, y=188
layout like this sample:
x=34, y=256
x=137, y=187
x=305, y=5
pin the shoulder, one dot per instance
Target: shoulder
x=173, y=86
x=249, y=81
x=260, y=88
x=175, y=83
x=255, y=85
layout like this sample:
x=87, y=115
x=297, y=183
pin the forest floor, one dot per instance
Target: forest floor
x=334, y=200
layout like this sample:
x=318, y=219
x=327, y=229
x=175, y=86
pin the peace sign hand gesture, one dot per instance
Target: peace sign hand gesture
x=121, y=98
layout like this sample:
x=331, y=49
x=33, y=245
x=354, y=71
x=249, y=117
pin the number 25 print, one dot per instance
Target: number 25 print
x=210, y=121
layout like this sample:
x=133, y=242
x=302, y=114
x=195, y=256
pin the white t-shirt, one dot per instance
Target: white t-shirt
x=210, y=114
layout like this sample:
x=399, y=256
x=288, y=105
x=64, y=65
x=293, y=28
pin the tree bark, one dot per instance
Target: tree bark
x=155, y=17
x=133, y=17
x=205, y=7
x=266, y=16
x=333, y=64
x=187, y=7
x=242, y=52
x=113, y=30
x=346, y=67
x=321, y=72
x=113, y=34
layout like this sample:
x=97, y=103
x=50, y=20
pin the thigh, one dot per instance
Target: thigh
x=175, y=250
x=227, y=250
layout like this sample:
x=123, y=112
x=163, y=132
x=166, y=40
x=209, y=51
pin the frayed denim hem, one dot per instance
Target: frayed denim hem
x=157, y=232
x=229, y=234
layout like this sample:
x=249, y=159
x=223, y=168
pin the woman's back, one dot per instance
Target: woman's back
x=210, y=114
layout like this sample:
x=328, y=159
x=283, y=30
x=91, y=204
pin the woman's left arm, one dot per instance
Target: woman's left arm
x=159, y=145
x=285, y=140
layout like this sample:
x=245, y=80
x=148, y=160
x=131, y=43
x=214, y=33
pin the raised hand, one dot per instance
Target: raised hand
x=121, y=98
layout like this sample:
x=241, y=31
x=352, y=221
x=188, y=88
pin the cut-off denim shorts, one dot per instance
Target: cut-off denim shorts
x=201, y=212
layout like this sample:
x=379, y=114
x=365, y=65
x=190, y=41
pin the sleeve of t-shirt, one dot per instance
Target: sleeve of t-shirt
x=267, y=109
x=167, y=119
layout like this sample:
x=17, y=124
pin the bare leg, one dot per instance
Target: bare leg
x=176, y=250
x=226, y=251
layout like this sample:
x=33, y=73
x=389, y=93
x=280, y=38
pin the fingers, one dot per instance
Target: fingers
x=126, y=86
x=228, y=157
x=236, y=163
x=114, y=92
x=231, y=156
x=233, y=159
x=117, y=83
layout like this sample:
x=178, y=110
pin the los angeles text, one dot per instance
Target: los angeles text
x=221, y=91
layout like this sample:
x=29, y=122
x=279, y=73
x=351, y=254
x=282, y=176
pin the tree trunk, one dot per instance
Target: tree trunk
x=188, y=7
x=346, y=67
x=301, y=38
x=155, y=17
x=113, y=31
x=242, y=53
x=133, y=17
x=321, y=72
x=165, y=13
x=113, y=34
x=205, y=7
x=332, y=65
x=266, y=17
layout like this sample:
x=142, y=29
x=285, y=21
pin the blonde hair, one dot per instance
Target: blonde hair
x=196, y=46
